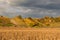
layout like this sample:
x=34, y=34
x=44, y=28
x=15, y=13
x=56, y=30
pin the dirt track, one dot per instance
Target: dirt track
x=29, y=33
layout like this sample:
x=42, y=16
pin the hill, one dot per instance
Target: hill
x=18, y=21
x=4, y=21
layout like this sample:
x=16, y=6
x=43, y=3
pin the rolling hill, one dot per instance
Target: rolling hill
x=18, y=21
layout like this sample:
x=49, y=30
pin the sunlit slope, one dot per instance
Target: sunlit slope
x=18, y=21
x=4, y=21
x=30, y=22
x=36, y=22
x=47, y=20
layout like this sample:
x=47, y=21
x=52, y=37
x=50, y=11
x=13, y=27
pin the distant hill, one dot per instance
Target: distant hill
x=4, y=21
x=18, y=21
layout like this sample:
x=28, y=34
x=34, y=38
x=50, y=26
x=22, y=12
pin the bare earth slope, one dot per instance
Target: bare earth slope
x=14, y=33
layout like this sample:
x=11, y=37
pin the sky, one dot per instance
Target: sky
x=30, y=8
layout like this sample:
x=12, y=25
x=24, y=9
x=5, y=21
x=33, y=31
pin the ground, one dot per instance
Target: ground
x=16, y=33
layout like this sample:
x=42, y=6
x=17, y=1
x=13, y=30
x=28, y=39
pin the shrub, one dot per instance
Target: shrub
x=8, y=24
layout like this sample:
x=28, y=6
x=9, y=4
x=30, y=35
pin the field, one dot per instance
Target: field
x=14, y=33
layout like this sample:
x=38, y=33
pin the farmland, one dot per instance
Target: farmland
x=15, y=33
x=18, y=28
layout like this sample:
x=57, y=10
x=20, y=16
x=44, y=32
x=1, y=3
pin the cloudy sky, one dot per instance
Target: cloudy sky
x=30, y=8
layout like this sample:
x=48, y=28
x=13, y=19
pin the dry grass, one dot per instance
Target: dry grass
x=29, y=34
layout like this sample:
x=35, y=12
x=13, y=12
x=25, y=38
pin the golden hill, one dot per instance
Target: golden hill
x=18, y=21
x=4, y=21
x=30, y=22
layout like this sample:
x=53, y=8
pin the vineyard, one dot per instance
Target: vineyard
x=29, y=34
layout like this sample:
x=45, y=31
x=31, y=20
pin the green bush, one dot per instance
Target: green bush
x=0, y=21
x=8, y=24
x=33, y=25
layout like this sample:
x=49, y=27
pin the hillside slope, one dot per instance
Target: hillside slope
x=18, y=21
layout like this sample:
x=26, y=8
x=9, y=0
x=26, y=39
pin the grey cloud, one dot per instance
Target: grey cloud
x=29, y=12
x=30, y=8
x=17, y=2
x=33, y=2
x=47, y=4
x=42, y=12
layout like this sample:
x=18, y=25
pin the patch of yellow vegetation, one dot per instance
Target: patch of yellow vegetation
x=29, y=21
x=4, y=21
x=18, y=21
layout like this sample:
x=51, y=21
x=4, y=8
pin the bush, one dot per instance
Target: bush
x=8, y=24
x=1, y=21
x=33, y=25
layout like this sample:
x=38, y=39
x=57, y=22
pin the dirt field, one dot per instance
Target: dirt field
x=29, y=33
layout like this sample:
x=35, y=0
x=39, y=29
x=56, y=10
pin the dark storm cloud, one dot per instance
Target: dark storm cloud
x=47, y=4
x=30, y=8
